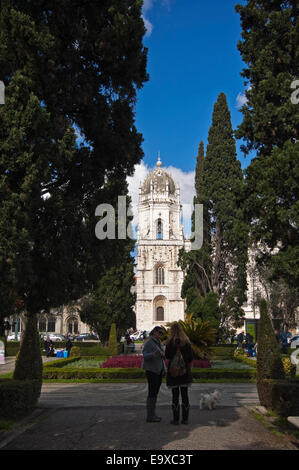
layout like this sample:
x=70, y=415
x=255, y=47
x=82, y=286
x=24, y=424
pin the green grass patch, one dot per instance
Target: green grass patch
x=87, y=363
x=229, y=364
x=277, y=425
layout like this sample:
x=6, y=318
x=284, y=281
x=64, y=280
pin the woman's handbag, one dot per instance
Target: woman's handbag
x=177, y=366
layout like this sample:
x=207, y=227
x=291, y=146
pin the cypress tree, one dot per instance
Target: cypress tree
x=229, y=231
x=269, y=363
x=112, y=343
x=218, y=269
x=269, y=47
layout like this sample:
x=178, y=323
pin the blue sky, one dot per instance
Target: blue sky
x=192, y=57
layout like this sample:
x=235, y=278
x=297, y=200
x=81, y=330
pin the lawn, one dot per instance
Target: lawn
x=229, y=364
x=86, y=363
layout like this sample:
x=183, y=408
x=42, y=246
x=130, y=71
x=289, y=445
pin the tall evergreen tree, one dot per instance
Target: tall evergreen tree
x=269, y=47
x=219, y=268
x=68, y=67
x=229, y=232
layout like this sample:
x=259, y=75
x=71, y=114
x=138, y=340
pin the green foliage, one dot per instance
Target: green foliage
x=269, y=363
x=281, y=396
x=201, y=334
x=29, y=362
x=206, y=309
x=219, y=267
x=18, y=397
x=289, y=367
x=270, y=49
x=50, y=183
x=240, y=353
x=111, y=302
x=112, y=344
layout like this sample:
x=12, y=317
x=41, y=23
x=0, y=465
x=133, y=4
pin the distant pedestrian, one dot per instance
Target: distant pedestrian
x=249, y=344
x=240, y=339
x=68, y=346
x=154, y=365
x=49, y=347
x=284, y=342
x=179, y=378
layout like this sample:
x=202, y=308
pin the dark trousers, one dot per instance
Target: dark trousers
x=154, y=383
x=176, y=396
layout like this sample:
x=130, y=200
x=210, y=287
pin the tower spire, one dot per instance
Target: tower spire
x=159, y=163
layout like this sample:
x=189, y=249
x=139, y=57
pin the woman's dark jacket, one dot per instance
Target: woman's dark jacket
x=187, y=354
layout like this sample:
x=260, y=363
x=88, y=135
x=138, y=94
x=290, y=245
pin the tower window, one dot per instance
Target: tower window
x=160, y=314
x=160, y=275
x=159, y=230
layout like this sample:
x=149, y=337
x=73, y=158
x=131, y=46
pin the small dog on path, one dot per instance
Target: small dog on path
x=209, y=400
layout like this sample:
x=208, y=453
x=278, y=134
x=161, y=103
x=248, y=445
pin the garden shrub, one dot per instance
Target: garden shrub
x=223, y=352
x=281, y=396
x=60, y=362
x=218, y=374
x=240, y=353
x=18, y=397
x=112, y=343
x=289, y=368
x=75, y=351
x=275, y=392
x=137, y=373
x=269, y=363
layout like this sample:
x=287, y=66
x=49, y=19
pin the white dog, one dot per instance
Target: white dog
x=209, y=399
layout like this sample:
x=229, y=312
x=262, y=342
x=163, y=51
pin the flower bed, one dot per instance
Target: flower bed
x=135, y=361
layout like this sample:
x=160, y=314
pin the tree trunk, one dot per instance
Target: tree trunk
x=29, y=364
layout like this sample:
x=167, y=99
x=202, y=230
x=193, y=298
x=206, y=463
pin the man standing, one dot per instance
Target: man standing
x=240, y=339
x=154, y=365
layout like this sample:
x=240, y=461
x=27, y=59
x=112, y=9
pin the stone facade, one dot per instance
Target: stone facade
x=160, y=237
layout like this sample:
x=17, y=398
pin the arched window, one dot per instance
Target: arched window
x=160, y=275
x=160, y=314
x=51, y=324
x=159, y=229
x=42, y=324
x=72, y=325
x=159, y=308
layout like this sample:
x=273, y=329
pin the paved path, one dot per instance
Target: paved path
x=112, y=417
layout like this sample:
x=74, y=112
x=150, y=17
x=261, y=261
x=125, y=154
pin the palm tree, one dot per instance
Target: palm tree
x=201, y=334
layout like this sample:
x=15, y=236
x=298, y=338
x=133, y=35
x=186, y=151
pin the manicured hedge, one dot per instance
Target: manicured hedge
x=86, y=348
x=281, y=396
x=54, y=370
x=223, y=373
x=93, y=373
x=223, y=352
x=18, y=397
x=60, y=362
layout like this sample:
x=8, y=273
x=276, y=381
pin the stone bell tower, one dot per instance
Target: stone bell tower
x=160, y=237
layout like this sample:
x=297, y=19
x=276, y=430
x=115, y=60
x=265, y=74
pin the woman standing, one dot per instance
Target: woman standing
x=153, y=363
x=179, y=378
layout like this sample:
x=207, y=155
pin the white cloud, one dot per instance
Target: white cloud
x=241, y=100
x=185, y=182
x=147, y=6
x=148, y=26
